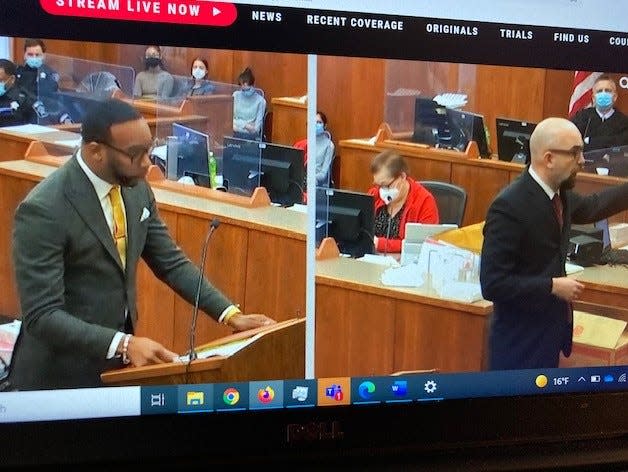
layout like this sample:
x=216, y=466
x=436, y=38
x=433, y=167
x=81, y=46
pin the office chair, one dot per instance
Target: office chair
x=451, y=200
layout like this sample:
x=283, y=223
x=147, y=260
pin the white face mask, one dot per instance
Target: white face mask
x=198, y=73
x=388, y=194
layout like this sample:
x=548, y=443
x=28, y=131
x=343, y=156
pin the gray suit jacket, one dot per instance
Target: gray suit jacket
x=72, y=287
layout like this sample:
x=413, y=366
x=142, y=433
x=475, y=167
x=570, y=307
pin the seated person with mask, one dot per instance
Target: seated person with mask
x=325, y=151
x=602, y=125
x=199, y=85
x=153, y=81
x=16, y=106
x=399, y=199
x=249, y=108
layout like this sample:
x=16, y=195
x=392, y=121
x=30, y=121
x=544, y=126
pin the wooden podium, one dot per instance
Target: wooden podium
x=277, y=353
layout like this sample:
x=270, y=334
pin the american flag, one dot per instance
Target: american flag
x=581, y=96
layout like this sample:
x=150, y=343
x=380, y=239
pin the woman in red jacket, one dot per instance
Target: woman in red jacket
x=399, y=199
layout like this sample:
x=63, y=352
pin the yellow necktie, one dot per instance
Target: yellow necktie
x=119, y=228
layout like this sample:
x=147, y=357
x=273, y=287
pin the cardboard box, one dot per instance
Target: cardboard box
x=597, y=341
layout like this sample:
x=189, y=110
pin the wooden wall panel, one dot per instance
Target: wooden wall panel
x=12, y=192
x=275, y=276
x=224, y=267
x=351, y=93
x=155, y=300
x=426, y=337
x=354, y=333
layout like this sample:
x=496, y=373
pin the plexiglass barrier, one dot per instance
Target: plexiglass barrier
x=66, y=87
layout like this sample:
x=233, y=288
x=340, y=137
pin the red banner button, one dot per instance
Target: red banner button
x=191, y=12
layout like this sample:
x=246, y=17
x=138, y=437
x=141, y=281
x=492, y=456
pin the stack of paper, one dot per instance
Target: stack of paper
x=451, y=100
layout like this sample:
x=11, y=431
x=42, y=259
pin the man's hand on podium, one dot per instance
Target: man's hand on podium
x=242, y=322
x=145, y=351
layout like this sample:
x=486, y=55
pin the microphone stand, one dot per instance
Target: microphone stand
x=192, y=351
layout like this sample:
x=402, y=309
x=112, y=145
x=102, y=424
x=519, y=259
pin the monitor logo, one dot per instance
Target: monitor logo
x=623, y=82
x=399, y=388
x=299, y=393
x=335, y=392
x=314, y=431
x=195, y=398
x=366, y=390
x=266, y=395
x=231, y=396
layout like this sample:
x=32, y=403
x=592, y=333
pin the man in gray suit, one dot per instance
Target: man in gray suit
x=76, y=249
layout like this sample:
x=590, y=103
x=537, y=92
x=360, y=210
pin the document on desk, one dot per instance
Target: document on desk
x=226, y=350
x=572, y=268
x=402, y=276
x=380, y=259
x=30, y=129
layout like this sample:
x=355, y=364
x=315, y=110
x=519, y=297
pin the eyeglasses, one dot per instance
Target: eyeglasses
x=134, y=152
x=575, y=152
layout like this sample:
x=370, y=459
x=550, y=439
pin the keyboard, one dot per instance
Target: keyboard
x=615, y=257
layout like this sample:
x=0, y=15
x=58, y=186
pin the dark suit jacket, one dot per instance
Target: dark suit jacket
x=523, y=250
x=72, y=288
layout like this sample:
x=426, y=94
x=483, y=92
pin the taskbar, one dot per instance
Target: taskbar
x=50, y=405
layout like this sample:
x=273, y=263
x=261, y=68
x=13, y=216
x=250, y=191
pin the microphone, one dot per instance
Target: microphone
x=586, y=128
x=192, y=353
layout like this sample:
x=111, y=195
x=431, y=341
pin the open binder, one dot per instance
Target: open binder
x=269, y=352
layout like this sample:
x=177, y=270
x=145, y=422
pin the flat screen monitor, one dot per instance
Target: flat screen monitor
x=247, y=164
x=431, y=123
x=347, y=217
x=513, y=140
x=74, y=105
x=611, y=161
x=465, y=127
x=187, y=152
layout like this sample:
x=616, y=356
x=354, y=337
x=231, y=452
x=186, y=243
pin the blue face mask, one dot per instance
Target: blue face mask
x=35, y=62
x=320, y=128
x=603, y=99
x=248, y=91
x=3, y=89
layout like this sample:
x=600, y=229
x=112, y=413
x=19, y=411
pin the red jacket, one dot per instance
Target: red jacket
x=420, y=207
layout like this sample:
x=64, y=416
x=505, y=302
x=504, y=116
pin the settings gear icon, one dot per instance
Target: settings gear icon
x=430, y=386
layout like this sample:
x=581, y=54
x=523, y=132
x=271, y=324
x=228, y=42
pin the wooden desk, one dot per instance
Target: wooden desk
x=605, y=285
x=482, y=178
x=15, y=143
x=257, y=257
x=289, y=119
x=366, y=328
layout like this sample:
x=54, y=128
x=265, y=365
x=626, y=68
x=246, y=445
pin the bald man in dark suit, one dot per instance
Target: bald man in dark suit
x=76, y=249
x=526, y=238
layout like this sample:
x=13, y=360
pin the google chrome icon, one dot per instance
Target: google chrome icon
x=266, y=395
x=231, y=396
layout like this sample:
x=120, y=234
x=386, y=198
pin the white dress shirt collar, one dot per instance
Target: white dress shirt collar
x=607, y=115
x=101, y=186
x=546, y=188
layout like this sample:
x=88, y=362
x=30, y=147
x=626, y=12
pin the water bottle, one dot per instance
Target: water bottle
x=212, y=170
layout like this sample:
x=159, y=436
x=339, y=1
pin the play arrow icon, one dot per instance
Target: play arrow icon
x=215, y=11
x=582, y=379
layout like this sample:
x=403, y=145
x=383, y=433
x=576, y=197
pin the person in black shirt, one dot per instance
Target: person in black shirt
x=16, y=107
x=34, y=76
x=602, y=125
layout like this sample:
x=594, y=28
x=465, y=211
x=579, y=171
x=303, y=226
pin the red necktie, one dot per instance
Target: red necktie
x=558, y=209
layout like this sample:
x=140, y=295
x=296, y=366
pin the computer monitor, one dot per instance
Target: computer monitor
x=187, y=154
x=611, y=161
x=431, y=123
x=513, y=140
x=74, y=105
x=466, y=126
x=247, y=164
x=347, y=217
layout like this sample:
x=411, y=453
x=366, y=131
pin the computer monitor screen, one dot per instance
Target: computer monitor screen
x=187, y=152
x=465, y=127
x=347, y=217
x=611, y=161
x=513, y=140
x=74, y=105
x=247, y=164
x=431, y=124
